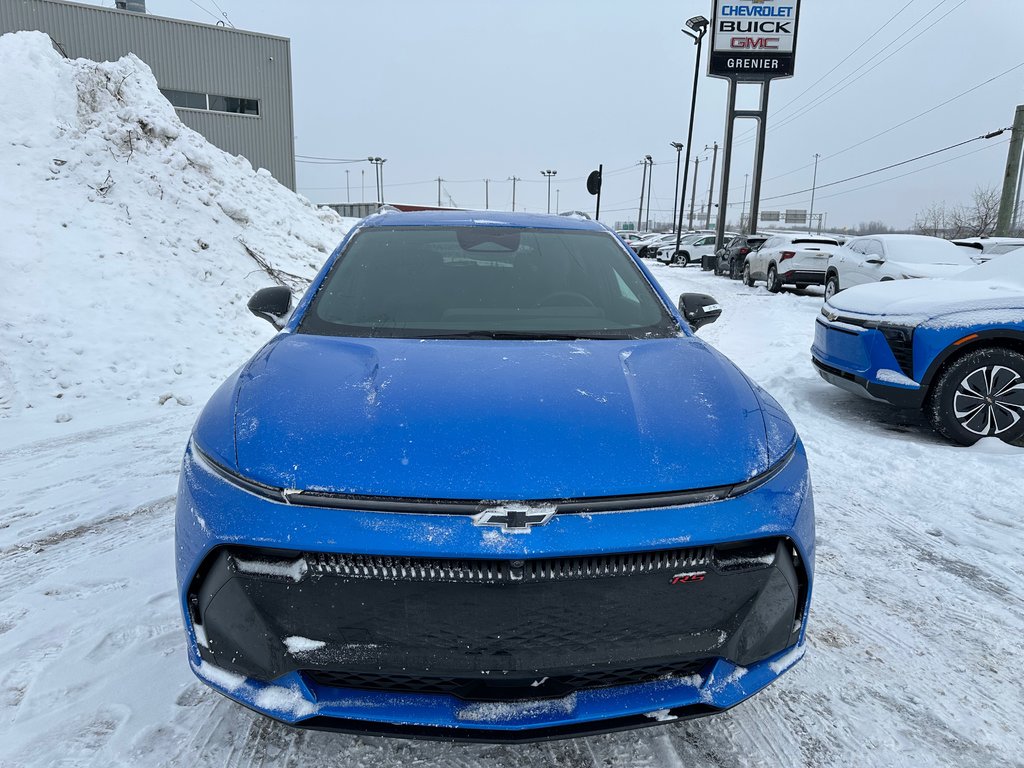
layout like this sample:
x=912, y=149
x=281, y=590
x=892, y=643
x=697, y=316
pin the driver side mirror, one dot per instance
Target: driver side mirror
x=272, y=304
x=699, y=309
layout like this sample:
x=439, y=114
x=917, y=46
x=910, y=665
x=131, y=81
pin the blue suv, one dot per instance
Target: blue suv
x=952, y=346
x=486, y=484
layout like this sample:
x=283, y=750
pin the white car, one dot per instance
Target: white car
x=981, y=249
x=692, y=248
x=799, y=260
x=878, y=258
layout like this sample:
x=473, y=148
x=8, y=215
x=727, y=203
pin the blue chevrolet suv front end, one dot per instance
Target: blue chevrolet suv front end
x=487, y=485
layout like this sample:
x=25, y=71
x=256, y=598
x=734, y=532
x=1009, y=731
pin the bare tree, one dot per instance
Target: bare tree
x=932, y=220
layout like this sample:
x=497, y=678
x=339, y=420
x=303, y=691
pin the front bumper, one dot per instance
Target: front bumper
x=301, y=649
x=862, y=361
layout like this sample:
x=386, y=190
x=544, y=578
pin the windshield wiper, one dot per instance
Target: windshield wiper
x=515, y=335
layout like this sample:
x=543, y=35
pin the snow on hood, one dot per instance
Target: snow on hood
x=495, y=420
x=128, y=241
x=994, y=287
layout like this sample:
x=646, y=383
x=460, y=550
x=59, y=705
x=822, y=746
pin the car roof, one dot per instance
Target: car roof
x=480, y=219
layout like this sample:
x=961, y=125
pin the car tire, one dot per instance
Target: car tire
x=980, y=394
x=831, y=286
x=747, y=279
x=774, y=284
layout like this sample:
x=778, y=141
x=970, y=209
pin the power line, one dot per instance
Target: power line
x=846, y=82
x=960, y=95
x=889, y=167
x=850, y=55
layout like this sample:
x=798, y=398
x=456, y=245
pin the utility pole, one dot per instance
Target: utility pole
x=362, y=185
x=744, y=229
x=348, y=193
x=643, y=186
x=439, y=180
x=1007, y=204
x=487, y=194
x=514, y=179
x=711, y=188
x=650, y=179
x=693, y=192
x=558, y=197
x=814, y=187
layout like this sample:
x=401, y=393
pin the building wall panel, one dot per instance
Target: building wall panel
x=185, y=56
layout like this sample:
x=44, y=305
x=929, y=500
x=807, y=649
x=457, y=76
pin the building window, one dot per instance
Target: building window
x=185, y=99
x=231, y=104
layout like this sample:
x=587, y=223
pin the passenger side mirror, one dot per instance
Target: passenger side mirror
x=699, y=309
x=271, y=304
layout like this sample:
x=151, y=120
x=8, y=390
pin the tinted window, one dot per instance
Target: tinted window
x=421, y=282
x=234, y=105
x=185, y=99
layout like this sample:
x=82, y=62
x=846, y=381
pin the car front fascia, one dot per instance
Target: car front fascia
x=213, y=512
x=933, y=337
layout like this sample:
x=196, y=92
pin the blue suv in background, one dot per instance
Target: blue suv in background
x=952, y=346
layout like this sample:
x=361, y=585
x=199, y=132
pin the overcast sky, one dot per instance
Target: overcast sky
x=469, y=90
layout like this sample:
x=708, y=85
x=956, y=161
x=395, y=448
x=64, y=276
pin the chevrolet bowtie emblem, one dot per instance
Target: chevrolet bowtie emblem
x=514, y=517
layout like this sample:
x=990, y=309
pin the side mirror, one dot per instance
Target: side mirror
x=699, y=309
x=271, y=304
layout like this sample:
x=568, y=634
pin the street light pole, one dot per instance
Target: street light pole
x=698, y=27
x=549, y=174
x=378, y=163
x=675, y=197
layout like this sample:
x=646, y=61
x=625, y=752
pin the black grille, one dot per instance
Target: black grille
x=491, y=571
x=504, y=688
x=901, y=344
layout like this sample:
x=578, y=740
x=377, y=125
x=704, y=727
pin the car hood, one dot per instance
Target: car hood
x=914, y=269
x=499, y=420
x=922, y=300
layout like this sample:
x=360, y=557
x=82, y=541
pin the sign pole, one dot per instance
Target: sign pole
x=751, y=42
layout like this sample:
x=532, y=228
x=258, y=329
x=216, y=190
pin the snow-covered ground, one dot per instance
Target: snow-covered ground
x=111, y=302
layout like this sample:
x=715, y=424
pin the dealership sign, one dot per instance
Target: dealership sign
x=753, y=40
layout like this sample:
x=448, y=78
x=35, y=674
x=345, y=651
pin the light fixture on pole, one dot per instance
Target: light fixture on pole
x=378, y=163
x=675, y=200
x=698, y=27
x=549, y=174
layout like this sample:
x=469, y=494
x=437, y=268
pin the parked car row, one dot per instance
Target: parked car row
x=924, y=326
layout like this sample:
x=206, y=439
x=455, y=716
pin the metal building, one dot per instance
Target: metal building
x=232, y=86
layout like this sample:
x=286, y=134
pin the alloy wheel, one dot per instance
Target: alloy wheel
x=989, y=400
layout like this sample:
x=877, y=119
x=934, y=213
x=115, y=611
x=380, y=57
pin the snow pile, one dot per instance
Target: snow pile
x=131, y=244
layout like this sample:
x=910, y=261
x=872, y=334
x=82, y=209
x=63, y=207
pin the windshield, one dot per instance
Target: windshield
x=927, y=251
x=486, y=282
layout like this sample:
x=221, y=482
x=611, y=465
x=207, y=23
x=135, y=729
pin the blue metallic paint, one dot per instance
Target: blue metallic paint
x=658, y=415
